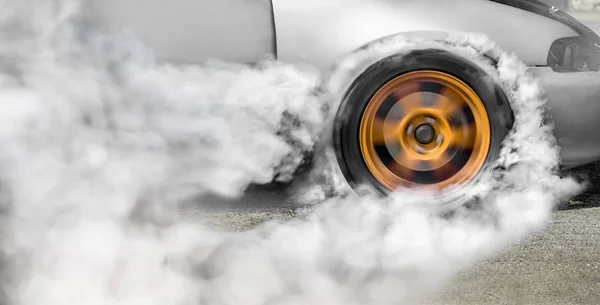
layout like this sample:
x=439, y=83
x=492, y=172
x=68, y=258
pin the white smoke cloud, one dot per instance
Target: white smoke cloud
x=100, y=144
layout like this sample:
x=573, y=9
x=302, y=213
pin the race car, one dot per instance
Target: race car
x=449, y=141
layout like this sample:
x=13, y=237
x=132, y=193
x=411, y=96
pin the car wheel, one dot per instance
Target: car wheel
x=426, y=120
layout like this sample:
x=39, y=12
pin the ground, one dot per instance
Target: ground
x=559, y=266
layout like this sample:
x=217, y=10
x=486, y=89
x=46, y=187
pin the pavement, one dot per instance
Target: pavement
x=559, y=266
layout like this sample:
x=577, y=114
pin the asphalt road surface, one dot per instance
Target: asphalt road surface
x=558, y=266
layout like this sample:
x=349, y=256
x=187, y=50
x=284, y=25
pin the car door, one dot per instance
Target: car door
x=190, y=31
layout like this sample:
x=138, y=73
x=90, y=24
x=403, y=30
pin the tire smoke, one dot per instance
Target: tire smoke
x=101, y=144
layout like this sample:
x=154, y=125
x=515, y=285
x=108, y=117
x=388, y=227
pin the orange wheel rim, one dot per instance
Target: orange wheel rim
x=424, y=129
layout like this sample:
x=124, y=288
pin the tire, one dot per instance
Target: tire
x=360, y=161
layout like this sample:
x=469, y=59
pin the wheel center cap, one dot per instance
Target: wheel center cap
x=424, y=134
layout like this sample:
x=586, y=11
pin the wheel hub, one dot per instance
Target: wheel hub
x=424, y=134
x=425, y=129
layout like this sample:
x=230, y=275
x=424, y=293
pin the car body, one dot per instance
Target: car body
x=320, y=32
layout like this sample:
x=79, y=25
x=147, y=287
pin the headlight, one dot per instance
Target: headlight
x=574, y=54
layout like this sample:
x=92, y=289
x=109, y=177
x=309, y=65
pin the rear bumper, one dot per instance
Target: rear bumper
x=574, y=100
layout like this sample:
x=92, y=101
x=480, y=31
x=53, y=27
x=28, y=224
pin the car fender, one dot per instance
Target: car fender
x=191, y=31
x=321, y=32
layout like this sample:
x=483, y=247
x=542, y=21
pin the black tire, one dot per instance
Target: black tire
x=348, y=118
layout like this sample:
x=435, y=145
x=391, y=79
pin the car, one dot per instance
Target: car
x=561, y=52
